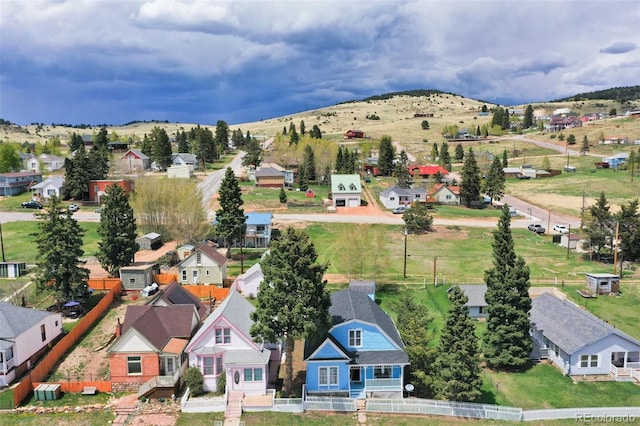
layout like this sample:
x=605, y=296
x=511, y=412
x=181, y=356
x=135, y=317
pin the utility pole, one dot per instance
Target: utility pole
x=615, y=250
x=2, y=243
x=568, y=240
x=404, y=274
x=435, y=277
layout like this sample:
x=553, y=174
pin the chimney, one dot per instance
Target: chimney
x=118, y=329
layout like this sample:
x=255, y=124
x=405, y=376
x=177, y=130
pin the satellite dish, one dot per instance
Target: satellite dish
x=409, y=387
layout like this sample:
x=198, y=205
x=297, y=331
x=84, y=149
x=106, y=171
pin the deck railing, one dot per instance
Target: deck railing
x=383, y=384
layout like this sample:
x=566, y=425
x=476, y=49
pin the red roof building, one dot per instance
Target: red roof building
x=427, y=171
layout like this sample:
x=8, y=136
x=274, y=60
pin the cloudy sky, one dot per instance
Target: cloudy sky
x=199, y=61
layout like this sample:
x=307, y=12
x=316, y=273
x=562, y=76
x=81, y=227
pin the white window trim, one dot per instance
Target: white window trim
x=328, y=375
x=355, y=330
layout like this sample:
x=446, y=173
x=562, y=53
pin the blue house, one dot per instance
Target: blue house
x=258, y=229
x=18, y=182
x=362, y=356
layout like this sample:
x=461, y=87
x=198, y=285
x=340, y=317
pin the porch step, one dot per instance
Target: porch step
x=361, y=404
x=357, y=394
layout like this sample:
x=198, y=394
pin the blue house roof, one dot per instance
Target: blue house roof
x=258, y=218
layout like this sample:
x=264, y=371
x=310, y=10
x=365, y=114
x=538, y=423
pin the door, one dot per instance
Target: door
x=236, y=379
x=194, y=277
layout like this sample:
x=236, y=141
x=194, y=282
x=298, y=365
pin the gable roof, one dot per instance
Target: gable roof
x=430, y=169
x=15, y=320
x=403, y=191
x=347, y=305
x=346, y=181
x=56, y=181
x=569, y=326
x=137, y=153
x=235, y=309
x=254, y=218
x=475, y=293
x=268, y=172
x=158, y=324
x=187, y=157
x=454, y=189
x=210, y=252
x=175, y=294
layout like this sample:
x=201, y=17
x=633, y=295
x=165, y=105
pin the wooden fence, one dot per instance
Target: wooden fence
x=164, y=279
x=41, y=370
x=103, y=283
x=206, y=291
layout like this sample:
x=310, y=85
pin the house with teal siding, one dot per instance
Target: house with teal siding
x=361, y=356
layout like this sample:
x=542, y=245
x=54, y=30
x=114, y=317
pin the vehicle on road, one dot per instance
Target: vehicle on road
x=537, y=228
x=74, y=207
x=562, y=229
x=31, y=204
x=400, y=210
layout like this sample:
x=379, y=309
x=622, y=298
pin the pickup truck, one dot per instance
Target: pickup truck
x=537, y=228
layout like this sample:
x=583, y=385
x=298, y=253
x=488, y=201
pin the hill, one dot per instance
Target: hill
x=619, y=94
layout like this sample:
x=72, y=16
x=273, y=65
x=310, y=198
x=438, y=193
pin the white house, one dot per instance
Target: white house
x=446, y=194
x=185, y=159
x=395, y=196
x=579, y=343
x=248, y=283
x=45, y=189
x=346, y=190
x=51, y=162
x=476, y=303
x=25, y=335
x=205, y=265
x=223, y=346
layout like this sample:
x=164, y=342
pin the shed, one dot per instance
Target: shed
x=365, y=286
x=310, y=193
x=603, y=283
x=12, y=269
x=569, y=240
x=185, y=251
x=476, y=303
x=151, y=241
x=138, y=276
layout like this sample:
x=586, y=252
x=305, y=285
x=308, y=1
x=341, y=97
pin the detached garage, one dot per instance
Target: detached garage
x=151, y=241
x=346, y=190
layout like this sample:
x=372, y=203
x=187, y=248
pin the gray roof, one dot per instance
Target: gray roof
x=268, y=172
x=475, y=294
x=349, y=305
x=15, y=320
x=403, y=191
x=236, y=309
x=246, y=356
x=568, y=325
x=187, y=157
x=367, y=286
x=57, y=181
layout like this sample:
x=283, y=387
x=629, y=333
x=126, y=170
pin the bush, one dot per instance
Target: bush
x=194, y=380
x=221, y=386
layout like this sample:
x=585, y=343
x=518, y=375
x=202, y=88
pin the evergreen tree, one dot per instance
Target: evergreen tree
x=505, y=160
x=248, y=137
x=507, y=343
x=292, y=302
x=303, y=130
x=230, y=218
x=528, y=117
x=339, y=161
x=161, y=147
x=309, y=163
x=459, y=152
x=386, y=156
x=457, y=366
x=401, y=171
x=584, y=148
x=294, y=137
x=118, y=231
x=101, y=140
x=418, y=219
x=484, y=108
x=414, y=325
x=632, y=160
x=59, y=246
x=283, y=196
x=471, y=178
x=253, y=156
x=496, y=119
x=75, y=142
x=147, y=147
x=221, y=139
x=506, y=125
x=599, y=225
x=478, y=132
x=434, y=152
x=571, y=139
x=238, y=140
x=425, y=125
x=182, y=141
x=494, y=184
x=628, y=219
x=315, y=132
x=326, y=175
x=284, y=131
x=445, y=157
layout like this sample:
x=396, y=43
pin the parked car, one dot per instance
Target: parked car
x=399, y=210
x=74, y=207
x=561, y=229
x=537, y=228
x=31, y=204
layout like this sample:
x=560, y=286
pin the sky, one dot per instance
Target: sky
x=200, y=61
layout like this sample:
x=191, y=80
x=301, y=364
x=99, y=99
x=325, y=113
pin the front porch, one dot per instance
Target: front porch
x=625, y=366
x=365, y=380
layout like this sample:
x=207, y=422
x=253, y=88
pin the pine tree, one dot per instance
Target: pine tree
x=303, y=130
x=505, y=160
x=230, y=218
x=599, y=225
x=282, y=196
x=118, y=231
x=505, y=120
x=457, y=366
x=160, y=147
x=75, y=142
x=147, y=148
x=339, y=161
x=434, y=152
x=459, y=152
x=470, y=185
x=309, y=164
x=445, y=157
x=183, y=142
x=101, y=140
x=584, y=148
x=401, y=171
x=221, y=138
x=59, y=246
x=528, y=117
x=496, y=119
x=253, y=156
x=386, y=156
x=629, y=220
x=315, y=132
x=494, y=184
x=292, y=302
x=507, y=343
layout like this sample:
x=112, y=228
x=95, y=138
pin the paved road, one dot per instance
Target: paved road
x=210, y=185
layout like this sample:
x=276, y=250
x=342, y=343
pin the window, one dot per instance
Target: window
x=206, y=273
x=382, y=371
x=327, y=376
x=198, y=258
x=587, y=361
x=43, y=333
x=218, y=365
x=207, y=366
x=56, y=323
x=481, y=309
x=355, y=338
x=223, y=336
x=134, y=365
x=132, y=280
x=253, y=374
x=341, y=187
x=184, y=275
x=352, y=187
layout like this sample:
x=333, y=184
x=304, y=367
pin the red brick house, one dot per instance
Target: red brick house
x=354, y=134
x=97, y=188
x=149, y=347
